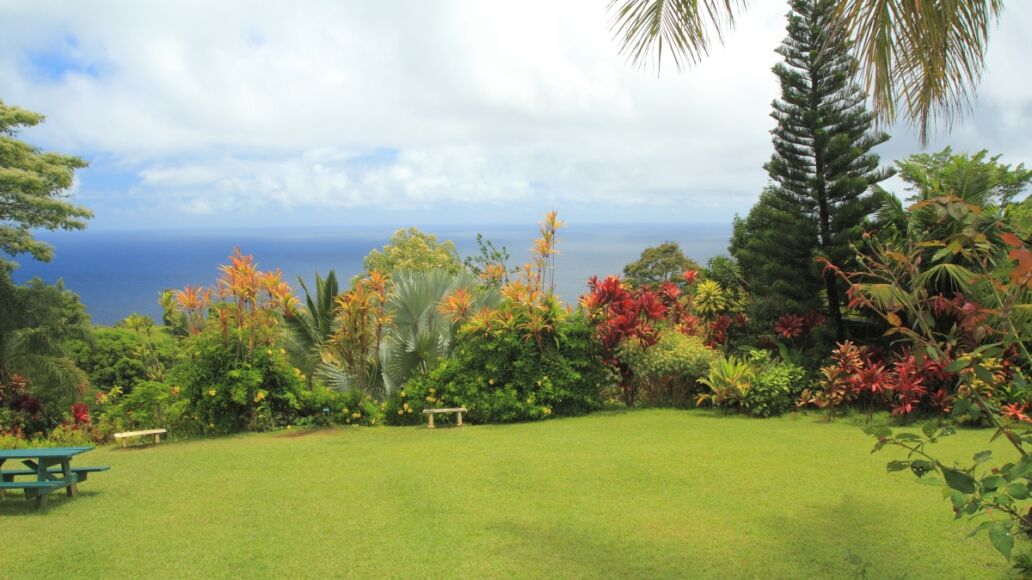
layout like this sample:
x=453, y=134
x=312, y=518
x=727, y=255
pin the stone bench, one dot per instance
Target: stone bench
x=431, y=412
x=157, y=433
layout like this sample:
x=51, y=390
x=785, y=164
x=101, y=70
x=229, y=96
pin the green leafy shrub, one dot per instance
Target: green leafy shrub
x=502, y=376
x=667, y=373
x=227, y=390
x=151, y=405
x=122, y=356
x=776, y=387
x=324, y=406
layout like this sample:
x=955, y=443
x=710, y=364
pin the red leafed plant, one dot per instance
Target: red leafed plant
x=81, y=414
x=622, y=314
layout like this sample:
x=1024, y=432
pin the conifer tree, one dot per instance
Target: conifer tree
x=823, y=167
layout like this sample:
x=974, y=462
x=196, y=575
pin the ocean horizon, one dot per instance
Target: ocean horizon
x=121, y=272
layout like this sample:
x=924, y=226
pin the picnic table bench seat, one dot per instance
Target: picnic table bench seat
x=82, y=472
x=431, y=412
x=157, y=433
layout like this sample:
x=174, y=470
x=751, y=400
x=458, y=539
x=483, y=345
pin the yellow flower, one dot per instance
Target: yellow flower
x=403, y=394
x=288, y=427
x=345, y=410
x=297, y=371
x=431, y=399
x=356, y=414
x=546, y=410
x=409, y=410
x=175, y=391
x=372, y=421
x=259, y=396
x=490, y=381
x=401, y=411
x=211, y=392
x=282, y=351
x=211, y=425
x=268, y=351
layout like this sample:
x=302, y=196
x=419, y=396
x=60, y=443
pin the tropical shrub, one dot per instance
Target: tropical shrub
x=502, y=376
x=228, y=392
x=324, y=406
x=124, y=355
x=150, y=405
x=962, y=302
x=351, y=355
x=667, y=373
x=728, y=382
x=776, y=387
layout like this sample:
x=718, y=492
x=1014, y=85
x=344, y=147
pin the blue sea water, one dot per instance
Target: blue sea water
x=117, y=273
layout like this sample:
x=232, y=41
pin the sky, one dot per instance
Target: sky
x=266, y=115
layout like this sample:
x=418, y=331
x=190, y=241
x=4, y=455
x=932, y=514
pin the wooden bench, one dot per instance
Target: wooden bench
x=431, y=412
x=157, y=433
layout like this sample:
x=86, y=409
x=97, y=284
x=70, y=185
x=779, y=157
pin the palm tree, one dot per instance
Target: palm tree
x=923, y=56
x=421, y=334
x=36, y=321
x=311, y=326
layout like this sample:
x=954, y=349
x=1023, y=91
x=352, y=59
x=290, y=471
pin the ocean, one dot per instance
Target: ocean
x=117, y=273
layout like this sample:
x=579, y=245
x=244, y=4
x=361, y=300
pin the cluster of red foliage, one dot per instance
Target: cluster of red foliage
x=81, y=414
x=621, y=313
x=790, y=326
x=855, y=373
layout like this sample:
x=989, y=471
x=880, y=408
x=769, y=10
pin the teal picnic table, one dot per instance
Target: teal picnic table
x=49, y=470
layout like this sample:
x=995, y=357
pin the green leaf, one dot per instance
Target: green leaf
x=897, y=466
x=992, y=483
x=1017, y=490
x=983, y=456
x=957, y=365
x=958, y=480
x=1001, y=538
x=921, y=467
x=929, y=430
x=984, y=375
x=1022, y=469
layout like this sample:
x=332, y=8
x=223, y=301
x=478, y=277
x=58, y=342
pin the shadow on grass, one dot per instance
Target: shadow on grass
x=16, y=504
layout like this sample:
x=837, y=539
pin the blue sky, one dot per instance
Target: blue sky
x=333, y=113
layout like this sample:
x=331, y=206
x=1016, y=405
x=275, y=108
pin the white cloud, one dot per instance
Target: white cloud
x=225, y=106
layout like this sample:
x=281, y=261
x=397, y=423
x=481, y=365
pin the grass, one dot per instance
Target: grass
x=643, y=494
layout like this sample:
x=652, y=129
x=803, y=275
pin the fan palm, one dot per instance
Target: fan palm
x=421, y=333
x=924, y=56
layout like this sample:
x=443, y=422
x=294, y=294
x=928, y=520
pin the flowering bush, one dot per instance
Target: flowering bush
x=502, y=376
x=324, y=406
x=226, y=392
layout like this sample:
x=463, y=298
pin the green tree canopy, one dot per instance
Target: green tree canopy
x=33, y=190
x=413, y=250
x=658, y=264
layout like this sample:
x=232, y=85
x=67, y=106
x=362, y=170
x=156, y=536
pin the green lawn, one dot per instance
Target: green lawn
x=648, y=493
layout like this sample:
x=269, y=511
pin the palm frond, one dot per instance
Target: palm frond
x=686, y=29
x=926, y=56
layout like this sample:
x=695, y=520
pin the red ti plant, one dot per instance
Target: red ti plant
x=621, y=314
